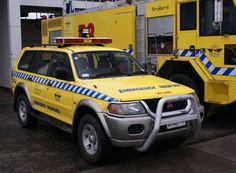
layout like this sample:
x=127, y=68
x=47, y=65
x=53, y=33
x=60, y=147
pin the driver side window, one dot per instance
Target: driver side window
x=60, y=67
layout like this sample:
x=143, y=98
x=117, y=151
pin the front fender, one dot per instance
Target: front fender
x=96, y=108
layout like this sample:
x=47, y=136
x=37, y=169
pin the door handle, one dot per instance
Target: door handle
x=57, y=95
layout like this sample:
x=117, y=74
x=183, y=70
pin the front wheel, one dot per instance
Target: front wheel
x=93, y=143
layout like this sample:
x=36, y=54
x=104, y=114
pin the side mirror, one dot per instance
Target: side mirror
x=61, y=73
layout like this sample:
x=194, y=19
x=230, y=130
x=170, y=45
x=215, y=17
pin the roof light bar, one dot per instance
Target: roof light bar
x=81, y=40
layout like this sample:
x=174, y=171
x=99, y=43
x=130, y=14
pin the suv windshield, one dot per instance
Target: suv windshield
x=101, y=64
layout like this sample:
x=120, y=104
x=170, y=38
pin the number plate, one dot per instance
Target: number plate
x=174, y=125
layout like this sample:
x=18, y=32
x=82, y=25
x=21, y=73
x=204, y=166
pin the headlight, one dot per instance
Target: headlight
x=197, y=99
x=135, y=108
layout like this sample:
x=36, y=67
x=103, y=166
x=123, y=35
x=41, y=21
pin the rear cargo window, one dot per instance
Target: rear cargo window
x=26, y=60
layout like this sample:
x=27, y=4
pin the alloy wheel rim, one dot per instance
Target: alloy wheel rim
x=22, y=110
x=90, y=139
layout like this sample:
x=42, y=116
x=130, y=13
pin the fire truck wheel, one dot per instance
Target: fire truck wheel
x=232, y=106
x=93, y=143
x=24, y=112
x=186, y=80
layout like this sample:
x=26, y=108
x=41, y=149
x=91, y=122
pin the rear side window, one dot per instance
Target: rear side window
x=26, y=60
x=40, y=64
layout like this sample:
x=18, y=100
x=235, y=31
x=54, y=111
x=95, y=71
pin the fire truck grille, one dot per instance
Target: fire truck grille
x=168, y=106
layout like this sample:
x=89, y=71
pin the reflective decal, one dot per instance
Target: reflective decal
x=51, y=108
x=64, y=86
x=137, y=89
x=170, y=86
x=39, y=104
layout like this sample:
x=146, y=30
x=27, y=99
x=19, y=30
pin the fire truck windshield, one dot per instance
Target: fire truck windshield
x=101, y=64
x=209, y=11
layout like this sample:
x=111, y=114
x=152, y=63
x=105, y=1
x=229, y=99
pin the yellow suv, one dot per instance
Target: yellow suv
x=102, y=96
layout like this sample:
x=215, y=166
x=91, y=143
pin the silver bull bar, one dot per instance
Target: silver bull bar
x=191, y=113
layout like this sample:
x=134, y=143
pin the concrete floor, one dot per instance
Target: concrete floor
x=214, y=156
x=48, y=149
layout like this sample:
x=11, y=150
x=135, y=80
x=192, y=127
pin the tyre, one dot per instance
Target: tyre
x=185, y=80
x=24, y=112
x=93, y=143
x=232, y=106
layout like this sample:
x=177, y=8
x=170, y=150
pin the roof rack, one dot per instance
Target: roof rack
x=62, y=45
x=44, y=45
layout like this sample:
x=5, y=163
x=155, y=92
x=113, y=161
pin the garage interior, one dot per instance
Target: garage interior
x=20, y=27
x=31, y=22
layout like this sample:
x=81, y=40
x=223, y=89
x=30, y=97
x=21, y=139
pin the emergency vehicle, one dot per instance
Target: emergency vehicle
x=102, y=96
x=193, y=41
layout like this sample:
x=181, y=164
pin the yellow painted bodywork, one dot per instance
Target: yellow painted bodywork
x=160, y=8
x=217, y=88
x=68, y=102
x=120, y=24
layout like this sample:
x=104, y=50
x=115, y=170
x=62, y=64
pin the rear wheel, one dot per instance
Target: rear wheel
x=186, y=80
x=24, y=112
x=93, y=143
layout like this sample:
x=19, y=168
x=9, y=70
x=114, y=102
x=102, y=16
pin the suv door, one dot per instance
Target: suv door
x=39, y=68
x=59, y=98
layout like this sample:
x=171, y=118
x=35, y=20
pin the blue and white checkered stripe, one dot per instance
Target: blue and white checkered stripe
x=207, y=63
x=186, y=52
x=65, y=86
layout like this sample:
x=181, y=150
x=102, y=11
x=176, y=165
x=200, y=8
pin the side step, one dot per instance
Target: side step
x=53, y=121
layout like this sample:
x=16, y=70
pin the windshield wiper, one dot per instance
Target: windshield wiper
x=139, y=72
x=100, y=75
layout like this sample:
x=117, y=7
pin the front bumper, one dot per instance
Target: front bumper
x=141, y=131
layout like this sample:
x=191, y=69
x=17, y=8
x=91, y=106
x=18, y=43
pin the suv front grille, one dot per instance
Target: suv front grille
x=152, y=104
x=175, y=105
x=168, y=107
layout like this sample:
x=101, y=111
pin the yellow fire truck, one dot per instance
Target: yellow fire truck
x=192, y=41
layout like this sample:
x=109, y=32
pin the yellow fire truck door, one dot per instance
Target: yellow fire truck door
x=187, y=29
